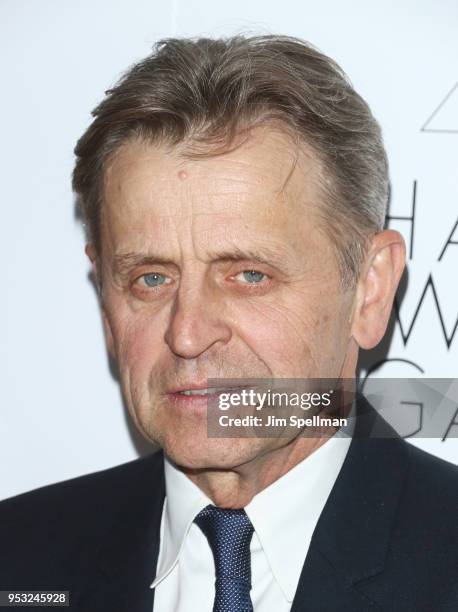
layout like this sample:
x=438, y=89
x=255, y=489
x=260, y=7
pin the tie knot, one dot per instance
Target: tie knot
x=229, y=534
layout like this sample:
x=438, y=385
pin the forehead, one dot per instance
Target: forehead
x=265, y=184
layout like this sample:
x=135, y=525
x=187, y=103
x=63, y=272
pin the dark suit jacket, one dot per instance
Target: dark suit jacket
x=387, y=538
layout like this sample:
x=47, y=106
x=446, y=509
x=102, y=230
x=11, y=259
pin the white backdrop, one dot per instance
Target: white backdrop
x=61, y=411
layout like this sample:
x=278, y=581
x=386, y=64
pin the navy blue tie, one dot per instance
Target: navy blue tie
x=229, y=534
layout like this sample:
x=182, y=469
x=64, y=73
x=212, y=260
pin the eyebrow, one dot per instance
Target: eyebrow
x=124, y=262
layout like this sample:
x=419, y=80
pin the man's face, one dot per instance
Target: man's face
x=216, y=268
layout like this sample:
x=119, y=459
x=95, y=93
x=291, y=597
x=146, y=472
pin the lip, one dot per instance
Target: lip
x=200, y=386
x=198, y=406
x=205, y=397
x=198, y=403
x=189, y=387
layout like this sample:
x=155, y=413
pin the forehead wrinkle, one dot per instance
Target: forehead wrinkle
x=257, y=144
x=238, y=178
x=253, y=180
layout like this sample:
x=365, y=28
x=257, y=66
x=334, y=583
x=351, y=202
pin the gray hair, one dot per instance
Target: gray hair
x=207, y=90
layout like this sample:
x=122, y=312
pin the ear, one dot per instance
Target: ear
x=92, y=254
x=377, y=287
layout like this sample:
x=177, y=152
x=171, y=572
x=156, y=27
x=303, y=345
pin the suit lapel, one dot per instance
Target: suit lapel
x=352, y=535
x=127, y=558
x=322, y=587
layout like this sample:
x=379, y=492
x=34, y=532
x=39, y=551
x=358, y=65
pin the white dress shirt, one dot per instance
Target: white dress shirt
x=284, y=516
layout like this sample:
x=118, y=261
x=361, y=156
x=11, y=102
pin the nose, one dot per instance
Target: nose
x=196, y=322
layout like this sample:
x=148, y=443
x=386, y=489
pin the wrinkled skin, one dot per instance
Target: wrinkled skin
x=203, y=317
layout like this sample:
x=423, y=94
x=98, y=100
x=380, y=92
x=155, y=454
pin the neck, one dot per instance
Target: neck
x=236, y=487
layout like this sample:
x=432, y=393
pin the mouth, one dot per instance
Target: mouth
x=200, y=398
x=206, y=391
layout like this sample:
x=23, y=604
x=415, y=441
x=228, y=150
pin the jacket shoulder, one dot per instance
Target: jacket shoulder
x=101, y=488
x=432, y=480
x=53, y=529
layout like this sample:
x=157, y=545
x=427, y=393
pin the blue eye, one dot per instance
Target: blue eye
x=154, y=279
x=253, y=276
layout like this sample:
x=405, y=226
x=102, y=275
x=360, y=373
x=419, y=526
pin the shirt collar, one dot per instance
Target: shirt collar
x=183, y=501
x=284, y=514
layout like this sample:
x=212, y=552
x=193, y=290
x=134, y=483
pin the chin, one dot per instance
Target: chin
x=213, y=453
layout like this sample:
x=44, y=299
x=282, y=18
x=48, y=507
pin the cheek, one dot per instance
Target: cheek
x=284, y=333
x=137, y=343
